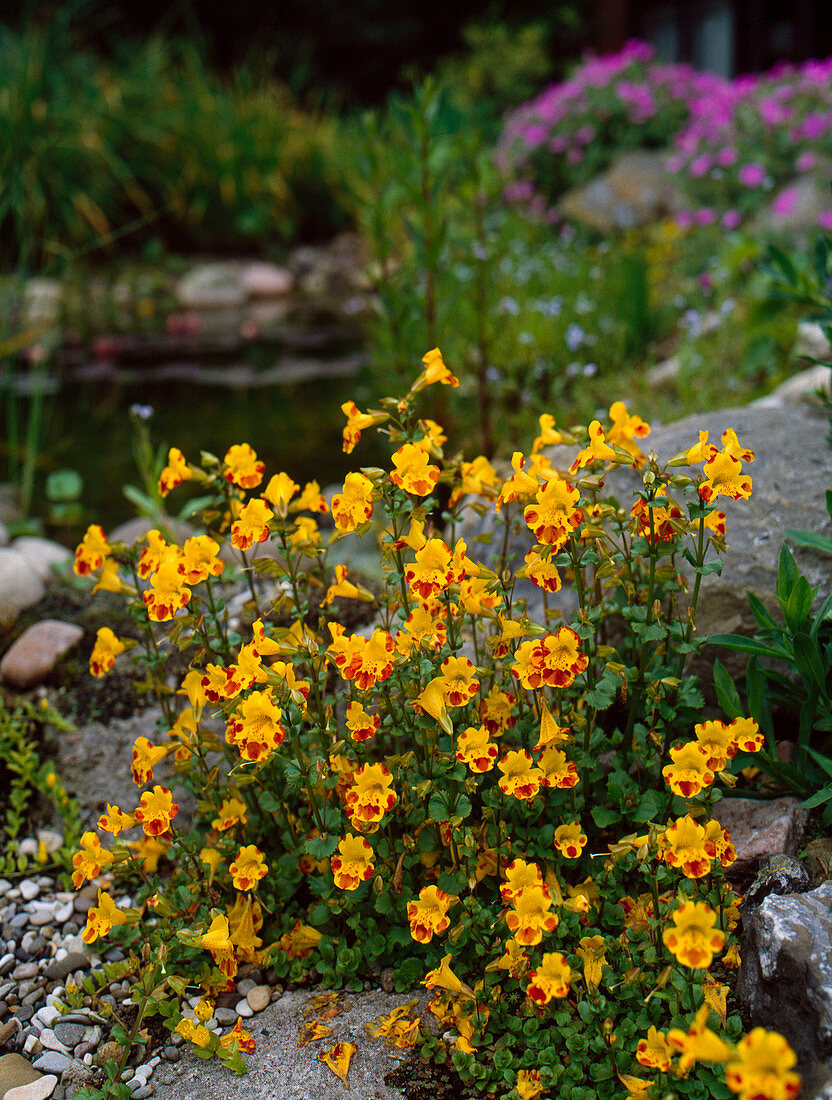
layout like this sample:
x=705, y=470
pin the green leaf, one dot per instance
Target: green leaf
x=604, y=817
x=799, y=604
x=650, y=805
x=320, y=847
x=761, y=612
x=818, y=798
x=811, y=540
x=741, y=644
x=726, y=691
x=824, y=761
x=787, y=574
x=808, y=659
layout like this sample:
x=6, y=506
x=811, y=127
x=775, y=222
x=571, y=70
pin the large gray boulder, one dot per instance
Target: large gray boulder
x=635, y=190
x=785, y=981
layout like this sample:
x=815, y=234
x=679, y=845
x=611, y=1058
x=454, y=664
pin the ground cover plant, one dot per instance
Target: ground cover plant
x=504, y=797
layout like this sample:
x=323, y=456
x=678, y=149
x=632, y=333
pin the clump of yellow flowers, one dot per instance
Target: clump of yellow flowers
x=507, y=796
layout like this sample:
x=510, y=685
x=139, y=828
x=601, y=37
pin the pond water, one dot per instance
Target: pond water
x=289, y=412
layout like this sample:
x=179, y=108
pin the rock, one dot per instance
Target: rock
x=760, y=829
x=50, y=1041
x=819, y=857
x=282, y=1069
x=665, y=371
x=15, y=1070
x=809, y=385
x=387, y=980
x=42, y=300
x=108, y=1052
x=795, y=208
x=635, y=190
x=43, y=555
x=262, y=280
x=211, y=286
x=58, y=969
x=33, y=656
x=69, y=1034
x=20, y=586
x=41, y=1089
x=4, y=535
x=29, y=889
x=785, y=980
x=812, y=343
x=53, y=1061
x=780, y=875
x=259, y=997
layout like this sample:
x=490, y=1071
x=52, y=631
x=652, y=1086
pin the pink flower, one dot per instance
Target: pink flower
x=727, y=156
x=806, y=162
x=705, y=216
x=752, y=175
x=700, y=165
x=730, y=219
x=825, y=220
x=785, y=202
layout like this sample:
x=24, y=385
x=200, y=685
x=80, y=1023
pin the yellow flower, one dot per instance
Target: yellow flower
x=762, y=1067
x=115, y=820
x=689, y=773
x=476, y=749
x=520, y=484
x=245, y=919
x=435, y=371
x=217, y=940
x=655, y=1051
x=475, y=477
x=694, y=940
x=279, y=492
x=91, y=552
x=367, y=661
x=683, y=845
x=550, y=732
x=252, y=524
x=362, y=726
x=357, y=422
x=528, y=1084
x=199, y=559
x=444, y=978
x=431, y=573
x=520, y=778
x=596, y=451
x=110, y=581
x=338, y=1060
x=154, y=553
x=717, y=739
x=540, y=571
x=558, y=771
x=746, y=734
x=699, y=1043
x=550, y=979
x=256, y=726
x=301, y=941
x=90, y=860
x=413, y=472
x=176, y=471
x=212, y=859
x=242, y=466
x=232, y=812
x=354, y=505
x=248, y=868
x=457, y=681
x=145, y=759
x=569, y=840
x=519, y=875
x=167, y=593
x=310, y=500
x=370, y=797
x=530, y=917
x=553, y=660
x=496, y=709
x=549, y=436
x=107, y=648
x=625, y=429
x=156, y=811
x=345, y=589
x=724, y=477
x=428, y=914
x=353, y=864
x=593, y=951
x=149, y=850
x=102, y=918
x=554, y=517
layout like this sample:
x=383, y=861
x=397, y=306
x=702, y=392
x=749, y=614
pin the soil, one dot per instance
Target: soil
x=420, y=1080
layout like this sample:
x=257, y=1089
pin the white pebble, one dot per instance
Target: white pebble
x=29, y=890
x=32, y=1045
x=243, y=1008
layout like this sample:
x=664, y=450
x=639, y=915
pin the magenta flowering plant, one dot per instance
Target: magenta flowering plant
x=573, y=129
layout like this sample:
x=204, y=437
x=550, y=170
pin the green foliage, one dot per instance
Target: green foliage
x=788, y=673
x=25, y=778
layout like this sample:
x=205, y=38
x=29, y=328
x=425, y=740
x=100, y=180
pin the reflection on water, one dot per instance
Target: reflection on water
x=294, y=424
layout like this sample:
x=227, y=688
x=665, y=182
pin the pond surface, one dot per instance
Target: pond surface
x=289, y=412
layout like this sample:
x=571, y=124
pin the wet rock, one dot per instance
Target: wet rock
x=35, y=653
x=760, y=829
x=20, y=586
x=785, y=981
x=211, y=286
x=263, y=280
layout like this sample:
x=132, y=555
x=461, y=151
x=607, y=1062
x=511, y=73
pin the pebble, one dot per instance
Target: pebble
x=52, y=1061
x=25, y=970
x=143, y=1092
x=226, y=1017
x=70, y=1034
x=171, y=1054
x=245, y=985
x=41, y=1089
x=259, y=997
x=50, y=1041
x=244, y=1009
x=29, y=889
x=60, y=968
x=7, y=961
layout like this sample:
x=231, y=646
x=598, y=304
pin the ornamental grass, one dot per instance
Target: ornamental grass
x=501, y=795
